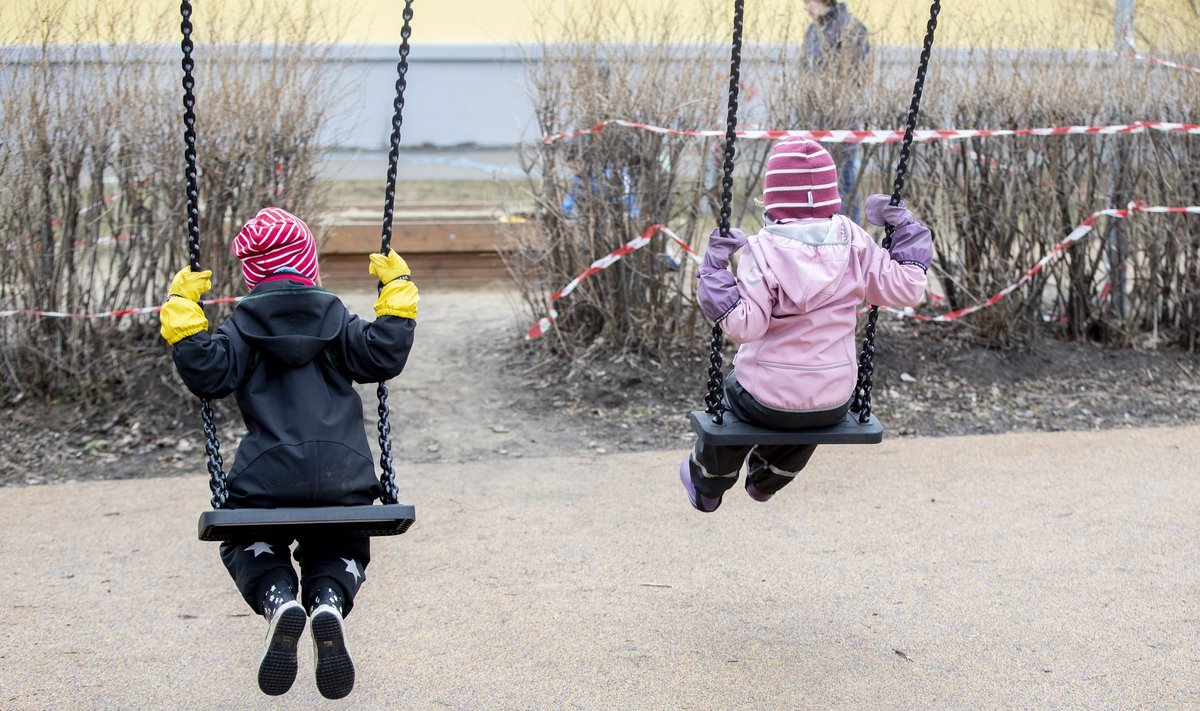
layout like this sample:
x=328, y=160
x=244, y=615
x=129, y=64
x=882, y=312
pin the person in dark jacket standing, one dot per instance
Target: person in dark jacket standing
x=836, y=39
x=290, y=353
x=837, y=46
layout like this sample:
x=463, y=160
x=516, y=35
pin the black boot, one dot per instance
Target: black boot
x=326, y=592
x=286, y=620
x=335, y=669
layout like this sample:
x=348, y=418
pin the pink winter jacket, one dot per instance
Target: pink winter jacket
x=800, y=285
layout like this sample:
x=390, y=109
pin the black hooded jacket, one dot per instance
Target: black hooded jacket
x=291, y=353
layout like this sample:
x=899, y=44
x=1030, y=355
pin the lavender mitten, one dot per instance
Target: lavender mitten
x=717, y=291
x=913, y=244
x=721, y=248
x=881, y=212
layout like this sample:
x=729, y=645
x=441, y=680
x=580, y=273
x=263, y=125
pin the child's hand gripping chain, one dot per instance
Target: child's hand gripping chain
x=181, y=315
x=399, y=295
x=912, y=242
x=718, y=292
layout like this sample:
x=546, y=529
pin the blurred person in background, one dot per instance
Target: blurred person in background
x=836, y=45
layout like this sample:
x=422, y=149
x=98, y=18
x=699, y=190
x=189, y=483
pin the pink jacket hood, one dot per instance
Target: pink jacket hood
x=801, y=284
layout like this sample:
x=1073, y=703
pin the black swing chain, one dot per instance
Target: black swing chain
x=866, y=358
x=714, y=401
x=212, y=446
x=387, y=477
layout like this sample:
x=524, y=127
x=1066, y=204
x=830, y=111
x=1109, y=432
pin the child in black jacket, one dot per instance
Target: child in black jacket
x=290, y=353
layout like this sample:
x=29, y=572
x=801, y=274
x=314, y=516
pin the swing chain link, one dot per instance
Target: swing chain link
x=387, y=479
x=735, y=61
x=866, y=359
x=217, y=482
x=389, y=194
x=189, y=138
x=714, y=401
x=212, y=447
x=387, y=476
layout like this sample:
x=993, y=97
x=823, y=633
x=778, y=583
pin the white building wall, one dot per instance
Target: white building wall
x=455, y=95
x=459, y=95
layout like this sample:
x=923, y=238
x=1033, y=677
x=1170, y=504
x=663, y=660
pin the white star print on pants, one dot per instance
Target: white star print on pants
x=352, y=568
x=259, y=547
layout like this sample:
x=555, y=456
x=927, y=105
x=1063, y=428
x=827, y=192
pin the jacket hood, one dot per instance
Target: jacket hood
x=289, y=321
x=820, y=251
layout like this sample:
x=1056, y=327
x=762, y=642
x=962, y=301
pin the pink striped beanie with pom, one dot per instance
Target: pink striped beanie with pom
x=801, y=182
x=275, y=239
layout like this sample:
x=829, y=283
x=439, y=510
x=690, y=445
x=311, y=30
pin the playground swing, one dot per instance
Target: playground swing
x=713, y=425
x=388, y=518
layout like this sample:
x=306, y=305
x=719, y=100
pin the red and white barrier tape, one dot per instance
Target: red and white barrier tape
x=873, y=136
x=1155, y=60
x=543, y=324
x=1076, y=235
x=109, y=199
x=1165, y=63
x=103, y=202
x=106, y=314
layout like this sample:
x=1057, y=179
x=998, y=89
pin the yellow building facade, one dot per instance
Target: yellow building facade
x=479, y=47
x=1068, y=24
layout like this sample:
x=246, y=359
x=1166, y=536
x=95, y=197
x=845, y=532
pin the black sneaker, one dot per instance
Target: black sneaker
x=277, y=670
x=335, y=669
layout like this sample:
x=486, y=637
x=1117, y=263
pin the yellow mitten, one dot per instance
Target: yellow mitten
x=191, y=285
x=182, y=316
x=399, y=296
x=388, y=268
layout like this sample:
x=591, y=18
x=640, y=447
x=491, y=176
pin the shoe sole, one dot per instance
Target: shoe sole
x=335, y=669
x=277, y=670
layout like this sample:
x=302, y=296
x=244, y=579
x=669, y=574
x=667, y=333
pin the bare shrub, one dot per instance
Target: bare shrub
x=1000, y=205
x=621, y=181
x=996, y=205
x=91, y=189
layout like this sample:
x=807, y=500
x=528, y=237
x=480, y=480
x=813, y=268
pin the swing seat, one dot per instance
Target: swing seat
x=733, y=431
x=258, y=524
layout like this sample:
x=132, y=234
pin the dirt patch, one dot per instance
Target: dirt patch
x=471, y=393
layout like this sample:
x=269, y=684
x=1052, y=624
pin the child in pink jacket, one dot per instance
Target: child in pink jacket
x=792, y=307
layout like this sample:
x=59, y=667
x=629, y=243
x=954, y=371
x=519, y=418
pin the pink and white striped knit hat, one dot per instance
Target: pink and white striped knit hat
x=273, y=240
x=801, y=182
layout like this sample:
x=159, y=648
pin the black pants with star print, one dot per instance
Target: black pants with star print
x=255, y=565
